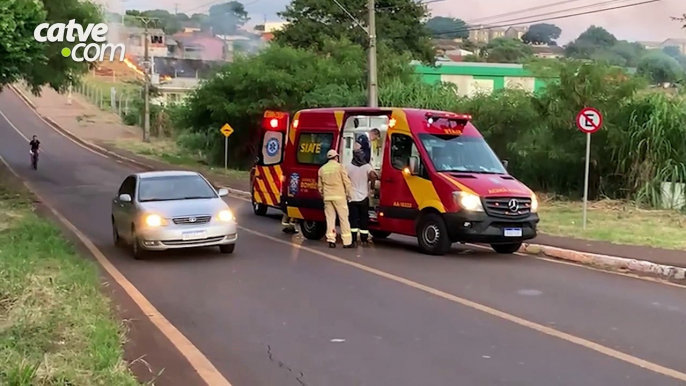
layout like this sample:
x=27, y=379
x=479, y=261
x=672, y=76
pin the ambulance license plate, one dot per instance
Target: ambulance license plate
x=187, y=236
x=513, y=232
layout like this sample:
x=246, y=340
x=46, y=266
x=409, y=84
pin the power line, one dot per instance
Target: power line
x=521, y=11
x=397, y=7
x=458, y=30
x=608, y=2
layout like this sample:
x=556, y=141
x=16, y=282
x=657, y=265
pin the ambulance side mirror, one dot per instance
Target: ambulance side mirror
x=414, y=165
x=505, y=163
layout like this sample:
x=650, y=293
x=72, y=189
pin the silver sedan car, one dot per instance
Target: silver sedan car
x=156, y=211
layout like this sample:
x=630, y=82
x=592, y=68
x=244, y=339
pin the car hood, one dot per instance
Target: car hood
x=493, y=185
x=182, y=208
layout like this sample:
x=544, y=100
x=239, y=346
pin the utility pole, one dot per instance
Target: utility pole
x=373, y=100
x=147, y=67
x=370, y=29
x=146, y=108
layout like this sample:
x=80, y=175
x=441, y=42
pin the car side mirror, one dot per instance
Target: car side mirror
x=505, y=163
x=414, y=165
x=125, y=198
x=223, y=192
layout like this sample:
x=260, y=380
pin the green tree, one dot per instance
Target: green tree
x=225, y=18
x=21, y=57
x=589, y=42
x=660, y=68
x=167, y=21
x=18, y=49
x=506, y=50
x=282, y=78
x=542, y=33
x=448, y=27
x=630, y=52
x=672, y=51
x=399, y=23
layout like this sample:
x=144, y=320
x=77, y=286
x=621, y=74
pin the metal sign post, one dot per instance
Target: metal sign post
x=227, y=130
x=588, y=121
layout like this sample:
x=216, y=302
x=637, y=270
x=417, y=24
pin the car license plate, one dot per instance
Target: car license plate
x=193, y=235
x=513, y=232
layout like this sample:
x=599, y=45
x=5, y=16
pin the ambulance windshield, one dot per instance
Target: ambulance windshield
x=450, y=153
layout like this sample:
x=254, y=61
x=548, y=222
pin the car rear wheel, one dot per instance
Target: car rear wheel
x=432, y=235
x=228, y=248
x=506, y=248
x=313, y=230
x=380, y=234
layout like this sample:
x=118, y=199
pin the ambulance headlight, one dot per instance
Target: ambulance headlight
x=468, y=201
x=534, y=203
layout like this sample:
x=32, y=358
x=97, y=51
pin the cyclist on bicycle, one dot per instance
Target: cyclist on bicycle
x=35, y=147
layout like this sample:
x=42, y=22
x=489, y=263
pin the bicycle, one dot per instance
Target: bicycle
x=34, y=159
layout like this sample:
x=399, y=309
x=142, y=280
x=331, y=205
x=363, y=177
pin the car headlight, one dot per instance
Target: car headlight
x=534, y=203
x=225, y=215
x=154, y=221
x=468, y=201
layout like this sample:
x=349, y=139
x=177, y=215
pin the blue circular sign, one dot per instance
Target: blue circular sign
x=272, y=147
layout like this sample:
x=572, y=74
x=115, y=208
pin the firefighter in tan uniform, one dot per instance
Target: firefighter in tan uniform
x=335, y=188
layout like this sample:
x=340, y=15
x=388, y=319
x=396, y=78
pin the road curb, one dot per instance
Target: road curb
x=602, y=261
x=22, y=96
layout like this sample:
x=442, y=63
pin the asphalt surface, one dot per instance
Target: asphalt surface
x=274, y=314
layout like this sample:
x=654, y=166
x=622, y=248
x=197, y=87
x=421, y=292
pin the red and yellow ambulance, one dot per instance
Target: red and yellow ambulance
x=438, y=179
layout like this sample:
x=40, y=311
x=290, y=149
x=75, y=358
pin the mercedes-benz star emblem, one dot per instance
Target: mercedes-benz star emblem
x=192, y=219
x=513, y=205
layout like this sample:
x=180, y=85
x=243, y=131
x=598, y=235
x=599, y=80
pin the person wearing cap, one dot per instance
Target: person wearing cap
x=361, y=174
x=335, y=188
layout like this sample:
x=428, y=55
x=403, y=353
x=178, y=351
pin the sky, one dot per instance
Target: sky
x=649, y=22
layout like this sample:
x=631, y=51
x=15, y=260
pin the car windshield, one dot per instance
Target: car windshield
x=170, y=188
x=451, y=153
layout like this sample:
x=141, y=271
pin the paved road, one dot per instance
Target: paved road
x=268, y=314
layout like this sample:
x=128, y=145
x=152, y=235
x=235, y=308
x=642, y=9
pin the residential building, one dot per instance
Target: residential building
x=175, y=78
x=199, y=45
x=650, y=45
x=516, y=32
x=678, y=43
x=134, y=39
x=474, y=78
x=484, y=34
x=548, y=52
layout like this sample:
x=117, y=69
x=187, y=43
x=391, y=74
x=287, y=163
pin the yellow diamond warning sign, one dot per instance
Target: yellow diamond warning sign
x=226, y=130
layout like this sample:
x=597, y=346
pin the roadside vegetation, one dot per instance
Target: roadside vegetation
x=56, y=327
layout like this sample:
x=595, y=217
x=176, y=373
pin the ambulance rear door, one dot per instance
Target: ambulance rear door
x=268, y=173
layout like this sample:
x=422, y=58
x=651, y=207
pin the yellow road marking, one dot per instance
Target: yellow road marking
x=491, y=311
x=198, y=361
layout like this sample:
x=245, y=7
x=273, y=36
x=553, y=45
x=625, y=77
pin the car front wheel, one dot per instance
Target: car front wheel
x=432, y=235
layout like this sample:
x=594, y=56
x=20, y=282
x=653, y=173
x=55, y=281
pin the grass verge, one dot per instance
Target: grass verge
x=56, y=327
x=613, y=221
x=166, y=150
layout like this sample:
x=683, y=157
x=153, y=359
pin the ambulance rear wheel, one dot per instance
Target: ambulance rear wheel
x=313, y=230
x=506, y=248
x=432, y=235
x=380, y=234
x=259, y=209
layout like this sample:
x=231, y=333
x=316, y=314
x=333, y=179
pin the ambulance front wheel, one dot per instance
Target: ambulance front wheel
x=432, y=235
x=313, y=230
x=506, y=248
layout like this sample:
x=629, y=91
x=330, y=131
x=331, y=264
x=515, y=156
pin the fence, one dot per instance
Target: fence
x=114, y=99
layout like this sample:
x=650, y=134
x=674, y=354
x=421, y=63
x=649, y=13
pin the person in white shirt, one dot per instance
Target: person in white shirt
x=361, y=173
